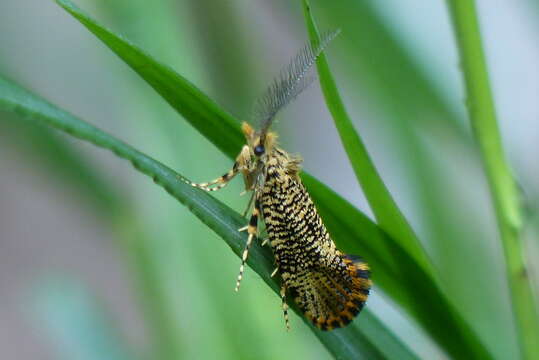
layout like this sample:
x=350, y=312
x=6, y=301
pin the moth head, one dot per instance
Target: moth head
x=260, y=142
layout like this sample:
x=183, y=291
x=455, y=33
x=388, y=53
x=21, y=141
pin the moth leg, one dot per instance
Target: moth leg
x=274, y=272
x=285, y=307
x=221, y=181
x=265, y=241
x=251, y=230
x=242, y=163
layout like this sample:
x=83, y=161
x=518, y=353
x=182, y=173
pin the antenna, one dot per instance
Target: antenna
x=292, y=80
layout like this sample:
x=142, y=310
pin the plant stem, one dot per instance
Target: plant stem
x=503, y=188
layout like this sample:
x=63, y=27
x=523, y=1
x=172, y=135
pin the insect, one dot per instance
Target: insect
x=329, y=287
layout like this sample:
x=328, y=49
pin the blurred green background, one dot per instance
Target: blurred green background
x=77, y=223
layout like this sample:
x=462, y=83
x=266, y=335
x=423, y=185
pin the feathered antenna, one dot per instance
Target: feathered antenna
x=292, y=80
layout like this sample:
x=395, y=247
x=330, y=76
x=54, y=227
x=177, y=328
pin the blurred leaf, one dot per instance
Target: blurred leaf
x=350, y=342
x=56, y=156
x=425, y=301
x=392, y=74
x=503, y=188
x=137, y=245
x=226, y=52
x=79, y=326
x=386, y=211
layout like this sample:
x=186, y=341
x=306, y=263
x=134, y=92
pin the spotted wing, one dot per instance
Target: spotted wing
x=329, y=287
x=331, y=296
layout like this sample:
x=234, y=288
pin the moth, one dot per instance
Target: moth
x=329, y=287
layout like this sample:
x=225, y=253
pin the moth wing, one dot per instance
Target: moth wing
x=331, y=296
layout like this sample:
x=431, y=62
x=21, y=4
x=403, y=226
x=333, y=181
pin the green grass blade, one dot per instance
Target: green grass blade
x=347, y=343
x=421, y=301
x=386, y=211
x=202, y=112
x=503, y=188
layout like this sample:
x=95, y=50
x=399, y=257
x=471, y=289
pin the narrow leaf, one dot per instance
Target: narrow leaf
x=387, y=214
x=201, y=112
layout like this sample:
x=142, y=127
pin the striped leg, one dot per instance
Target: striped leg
x=285, y=307
x=220, y=181
x=251, y=230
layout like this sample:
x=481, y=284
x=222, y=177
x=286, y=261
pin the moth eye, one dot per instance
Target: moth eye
x=259, y=150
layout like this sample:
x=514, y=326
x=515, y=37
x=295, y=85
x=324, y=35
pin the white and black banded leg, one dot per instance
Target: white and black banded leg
x=220, y=182
x=251, y=231
x=285, y=307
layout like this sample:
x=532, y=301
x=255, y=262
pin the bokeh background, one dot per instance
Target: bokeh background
x=88, y=245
